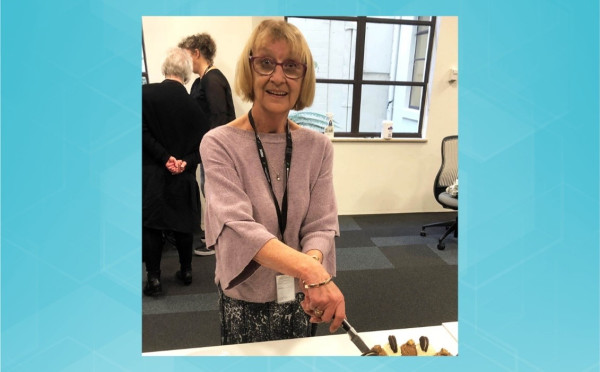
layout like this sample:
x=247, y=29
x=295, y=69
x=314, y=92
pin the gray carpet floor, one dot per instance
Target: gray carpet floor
x=391, y=278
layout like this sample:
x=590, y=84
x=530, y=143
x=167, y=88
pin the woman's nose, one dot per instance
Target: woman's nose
x=278, y=75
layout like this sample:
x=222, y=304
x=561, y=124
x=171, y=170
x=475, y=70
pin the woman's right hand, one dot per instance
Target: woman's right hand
x=325, y=303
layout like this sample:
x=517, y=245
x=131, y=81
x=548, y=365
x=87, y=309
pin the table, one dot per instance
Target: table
x=331, y=345
x=452, y=328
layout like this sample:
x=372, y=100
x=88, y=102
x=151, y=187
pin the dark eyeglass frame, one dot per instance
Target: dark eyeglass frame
x=252, y=58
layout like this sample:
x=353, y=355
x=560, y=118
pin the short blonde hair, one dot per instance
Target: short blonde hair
x=178, y=63
x=266, y=32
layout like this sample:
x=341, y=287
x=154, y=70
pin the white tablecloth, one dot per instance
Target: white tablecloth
x=452, y=328
x=333, y=345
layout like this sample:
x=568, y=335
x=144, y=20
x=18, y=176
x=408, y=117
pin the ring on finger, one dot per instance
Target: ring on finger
x=318, y=313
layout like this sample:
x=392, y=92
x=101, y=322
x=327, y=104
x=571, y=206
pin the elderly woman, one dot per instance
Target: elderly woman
x=172, y=128
x=271, y=210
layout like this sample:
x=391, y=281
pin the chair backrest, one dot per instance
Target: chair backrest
x=448, y=172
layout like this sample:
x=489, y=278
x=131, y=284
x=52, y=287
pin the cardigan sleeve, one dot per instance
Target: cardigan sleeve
x=321, y=225
x=229, y=223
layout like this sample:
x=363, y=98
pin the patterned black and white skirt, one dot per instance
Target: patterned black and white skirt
x=243, y=322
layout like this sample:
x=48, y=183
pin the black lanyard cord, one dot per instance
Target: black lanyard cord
x=281, y=213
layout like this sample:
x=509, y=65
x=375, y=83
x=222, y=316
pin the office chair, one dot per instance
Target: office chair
x=445, y=177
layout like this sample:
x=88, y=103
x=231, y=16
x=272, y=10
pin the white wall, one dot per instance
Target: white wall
x=369, y=177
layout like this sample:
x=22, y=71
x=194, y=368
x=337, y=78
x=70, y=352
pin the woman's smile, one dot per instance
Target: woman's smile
x=277, y=93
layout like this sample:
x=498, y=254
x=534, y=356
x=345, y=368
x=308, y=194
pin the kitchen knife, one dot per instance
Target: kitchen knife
x=354, y=337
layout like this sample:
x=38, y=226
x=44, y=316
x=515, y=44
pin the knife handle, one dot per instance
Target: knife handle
x=347, y=327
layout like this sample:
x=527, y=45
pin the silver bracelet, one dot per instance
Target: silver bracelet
x=315, y=285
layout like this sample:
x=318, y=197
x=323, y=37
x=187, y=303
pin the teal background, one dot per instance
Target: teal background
x=71, y=185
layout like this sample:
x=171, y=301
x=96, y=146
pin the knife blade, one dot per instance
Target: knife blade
x=354, y=337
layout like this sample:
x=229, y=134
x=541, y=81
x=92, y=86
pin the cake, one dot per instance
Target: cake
x=409, y=348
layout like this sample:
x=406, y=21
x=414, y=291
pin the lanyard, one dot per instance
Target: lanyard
x=281, y=213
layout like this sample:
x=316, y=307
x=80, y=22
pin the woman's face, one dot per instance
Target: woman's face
x=275, y=93
x=195, y=54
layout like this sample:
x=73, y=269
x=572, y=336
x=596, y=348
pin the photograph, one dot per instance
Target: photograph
x=300, y=186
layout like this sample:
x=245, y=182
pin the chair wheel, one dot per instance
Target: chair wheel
x=441, y=246
x=423, y=233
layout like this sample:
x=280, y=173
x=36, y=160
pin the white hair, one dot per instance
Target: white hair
x=178, y=63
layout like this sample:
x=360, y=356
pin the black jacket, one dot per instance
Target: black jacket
x=213, y=93
x=172, y=125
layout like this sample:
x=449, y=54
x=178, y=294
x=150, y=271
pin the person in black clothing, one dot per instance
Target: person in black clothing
x=212, y=91
x=172, y=127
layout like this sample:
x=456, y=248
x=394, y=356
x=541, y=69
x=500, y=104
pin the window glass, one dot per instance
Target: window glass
x=388, y=102
x=415, y=97
x=395, y=52
x=334, y=98
x=405, y=18
x=332, y=44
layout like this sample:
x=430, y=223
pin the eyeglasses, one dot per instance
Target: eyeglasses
x=266, y=66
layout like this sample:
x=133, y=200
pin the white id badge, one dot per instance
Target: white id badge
x=286, y=288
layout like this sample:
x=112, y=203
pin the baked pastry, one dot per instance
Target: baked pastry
x=443, y=352
x=409, y=348
x=376, y=350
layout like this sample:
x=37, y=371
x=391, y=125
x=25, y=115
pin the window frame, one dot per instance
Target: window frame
x=145, y=71
x=358, y=82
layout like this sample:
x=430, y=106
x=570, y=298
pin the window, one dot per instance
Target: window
x=144, y=67
x=368, y=69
